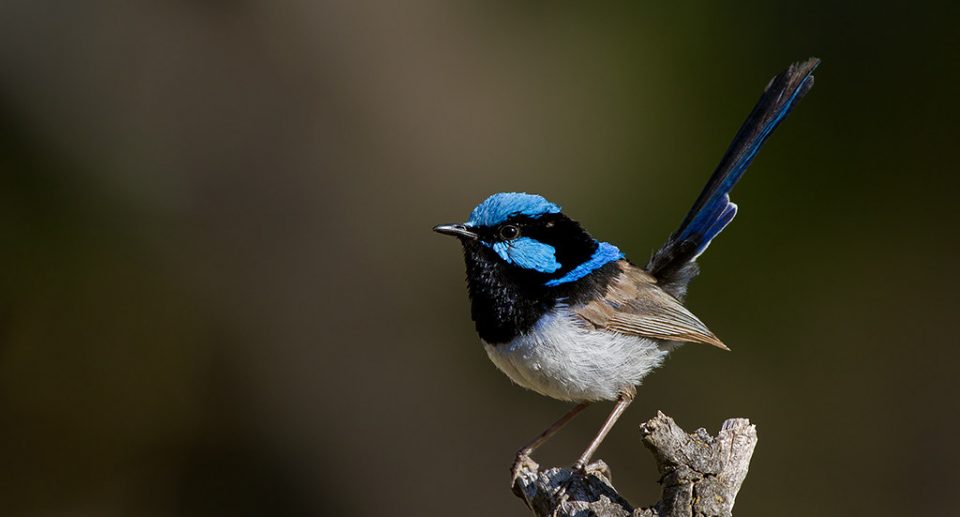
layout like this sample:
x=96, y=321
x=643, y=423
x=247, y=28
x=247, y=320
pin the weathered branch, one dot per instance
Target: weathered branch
x=700, y=475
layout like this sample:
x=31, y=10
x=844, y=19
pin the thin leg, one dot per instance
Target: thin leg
x=552, y=430
x=622, y=402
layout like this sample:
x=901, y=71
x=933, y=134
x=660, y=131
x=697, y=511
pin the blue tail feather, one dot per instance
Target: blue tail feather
x=719, y=223
x=713, y=210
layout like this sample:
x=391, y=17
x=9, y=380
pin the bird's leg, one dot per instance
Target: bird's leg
x=623, y=401
x=552, y=430
x=523, y=455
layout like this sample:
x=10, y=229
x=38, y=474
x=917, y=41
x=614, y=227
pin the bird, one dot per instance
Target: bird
x=570, y=317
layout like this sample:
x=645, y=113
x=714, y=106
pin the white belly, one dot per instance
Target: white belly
x=562, y=359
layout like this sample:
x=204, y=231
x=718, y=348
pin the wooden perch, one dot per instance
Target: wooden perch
x=700, y=475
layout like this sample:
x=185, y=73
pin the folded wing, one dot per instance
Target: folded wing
x=633, y=304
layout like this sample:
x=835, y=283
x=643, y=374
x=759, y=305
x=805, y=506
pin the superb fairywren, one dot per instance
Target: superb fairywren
x=570, y=317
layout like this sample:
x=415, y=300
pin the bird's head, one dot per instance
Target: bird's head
x=528, y=239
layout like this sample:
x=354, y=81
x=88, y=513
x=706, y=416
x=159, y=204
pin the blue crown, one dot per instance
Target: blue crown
x=500, y=207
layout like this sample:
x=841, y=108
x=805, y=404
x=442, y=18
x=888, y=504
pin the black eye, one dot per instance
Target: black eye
x=509, y=232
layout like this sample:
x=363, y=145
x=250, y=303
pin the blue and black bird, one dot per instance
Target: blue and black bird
x=570, y=317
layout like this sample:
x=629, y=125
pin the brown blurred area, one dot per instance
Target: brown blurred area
x=220, y=295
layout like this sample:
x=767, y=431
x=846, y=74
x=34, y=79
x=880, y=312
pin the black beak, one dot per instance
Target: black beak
x=458, y=230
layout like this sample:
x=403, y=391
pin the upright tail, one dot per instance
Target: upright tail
x=674, y=264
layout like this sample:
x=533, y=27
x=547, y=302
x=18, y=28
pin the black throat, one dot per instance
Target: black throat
x=507, y=301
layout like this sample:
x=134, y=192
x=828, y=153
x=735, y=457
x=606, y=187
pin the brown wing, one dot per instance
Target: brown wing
x=634, y=304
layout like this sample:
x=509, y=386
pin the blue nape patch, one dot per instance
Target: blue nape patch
x=605, y=254
x=499, y=207
x=529, y=254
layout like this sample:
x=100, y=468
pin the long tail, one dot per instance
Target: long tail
x=674, y=264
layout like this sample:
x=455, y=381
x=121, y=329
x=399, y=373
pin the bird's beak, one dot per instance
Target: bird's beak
x=457, y=230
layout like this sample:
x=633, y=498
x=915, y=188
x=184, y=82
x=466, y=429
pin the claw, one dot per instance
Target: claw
x=601, y=469
x=522, y=464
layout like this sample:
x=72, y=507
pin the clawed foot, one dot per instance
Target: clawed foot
x=522, y=464
x=599, y=468
x=524, y=467
x=579, y=473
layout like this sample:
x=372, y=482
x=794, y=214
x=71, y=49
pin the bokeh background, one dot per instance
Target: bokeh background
x=220, y=294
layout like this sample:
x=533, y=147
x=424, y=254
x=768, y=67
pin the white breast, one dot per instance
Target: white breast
x=563, y=359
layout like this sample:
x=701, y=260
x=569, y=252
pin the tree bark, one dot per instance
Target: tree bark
x=700, y=475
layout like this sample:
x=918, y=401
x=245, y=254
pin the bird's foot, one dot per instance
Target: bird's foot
x=568, y=484
x=599, y=468
x=578, y=474
x=522, y=464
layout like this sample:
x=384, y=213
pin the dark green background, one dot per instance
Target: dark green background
x=220, y=295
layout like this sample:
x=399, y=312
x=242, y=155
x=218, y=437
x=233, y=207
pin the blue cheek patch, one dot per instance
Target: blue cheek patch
x=529, y=254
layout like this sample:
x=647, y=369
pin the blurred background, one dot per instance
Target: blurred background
x=220, y=294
